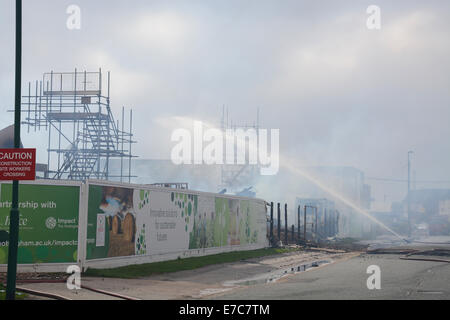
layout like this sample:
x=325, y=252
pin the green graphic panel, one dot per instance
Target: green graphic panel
x=229, y=222
x=48, y=225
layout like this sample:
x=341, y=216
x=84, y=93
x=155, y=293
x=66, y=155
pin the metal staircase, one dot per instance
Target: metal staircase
x=72, y=105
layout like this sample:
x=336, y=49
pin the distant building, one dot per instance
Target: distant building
x=430, y=207
x=427, y=203
x=444, y=208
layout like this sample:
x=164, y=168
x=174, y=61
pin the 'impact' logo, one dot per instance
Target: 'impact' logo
x=50, y=223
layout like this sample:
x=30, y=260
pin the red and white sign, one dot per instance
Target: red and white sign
x=17, y=164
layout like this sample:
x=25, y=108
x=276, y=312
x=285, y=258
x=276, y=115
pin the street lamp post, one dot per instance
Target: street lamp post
x=14, y=215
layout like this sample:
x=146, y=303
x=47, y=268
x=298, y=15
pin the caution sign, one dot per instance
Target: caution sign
x=17, y=164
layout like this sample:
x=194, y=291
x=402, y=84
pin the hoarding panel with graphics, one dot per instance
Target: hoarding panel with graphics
x=48, y=225
x=142, y=221
x=222, y=221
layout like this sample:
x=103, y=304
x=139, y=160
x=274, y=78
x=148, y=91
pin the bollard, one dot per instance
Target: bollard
x=315, y=225
x=285, y=224
x=271, y=223
x=304, y=226
x=293, y=241
x=298, y=224
x=278, y=222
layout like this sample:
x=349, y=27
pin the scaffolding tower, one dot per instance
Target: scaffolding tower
x=82, y=133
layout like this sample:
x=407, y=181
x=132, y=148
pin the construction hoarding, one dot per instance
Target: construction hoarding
x=48, y=224
x=124, y=221
x=106, y=224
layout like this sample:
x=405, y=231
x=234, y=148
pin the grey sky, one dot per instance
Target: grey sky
x=341, y=94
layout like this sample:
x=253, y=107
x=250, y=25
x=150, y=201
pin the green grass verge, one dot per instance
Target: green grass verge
x=19, y=295
x=148, y=269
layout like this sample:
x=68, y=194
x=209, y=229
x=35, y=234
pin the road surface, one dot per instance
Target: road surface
x=400, y=279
